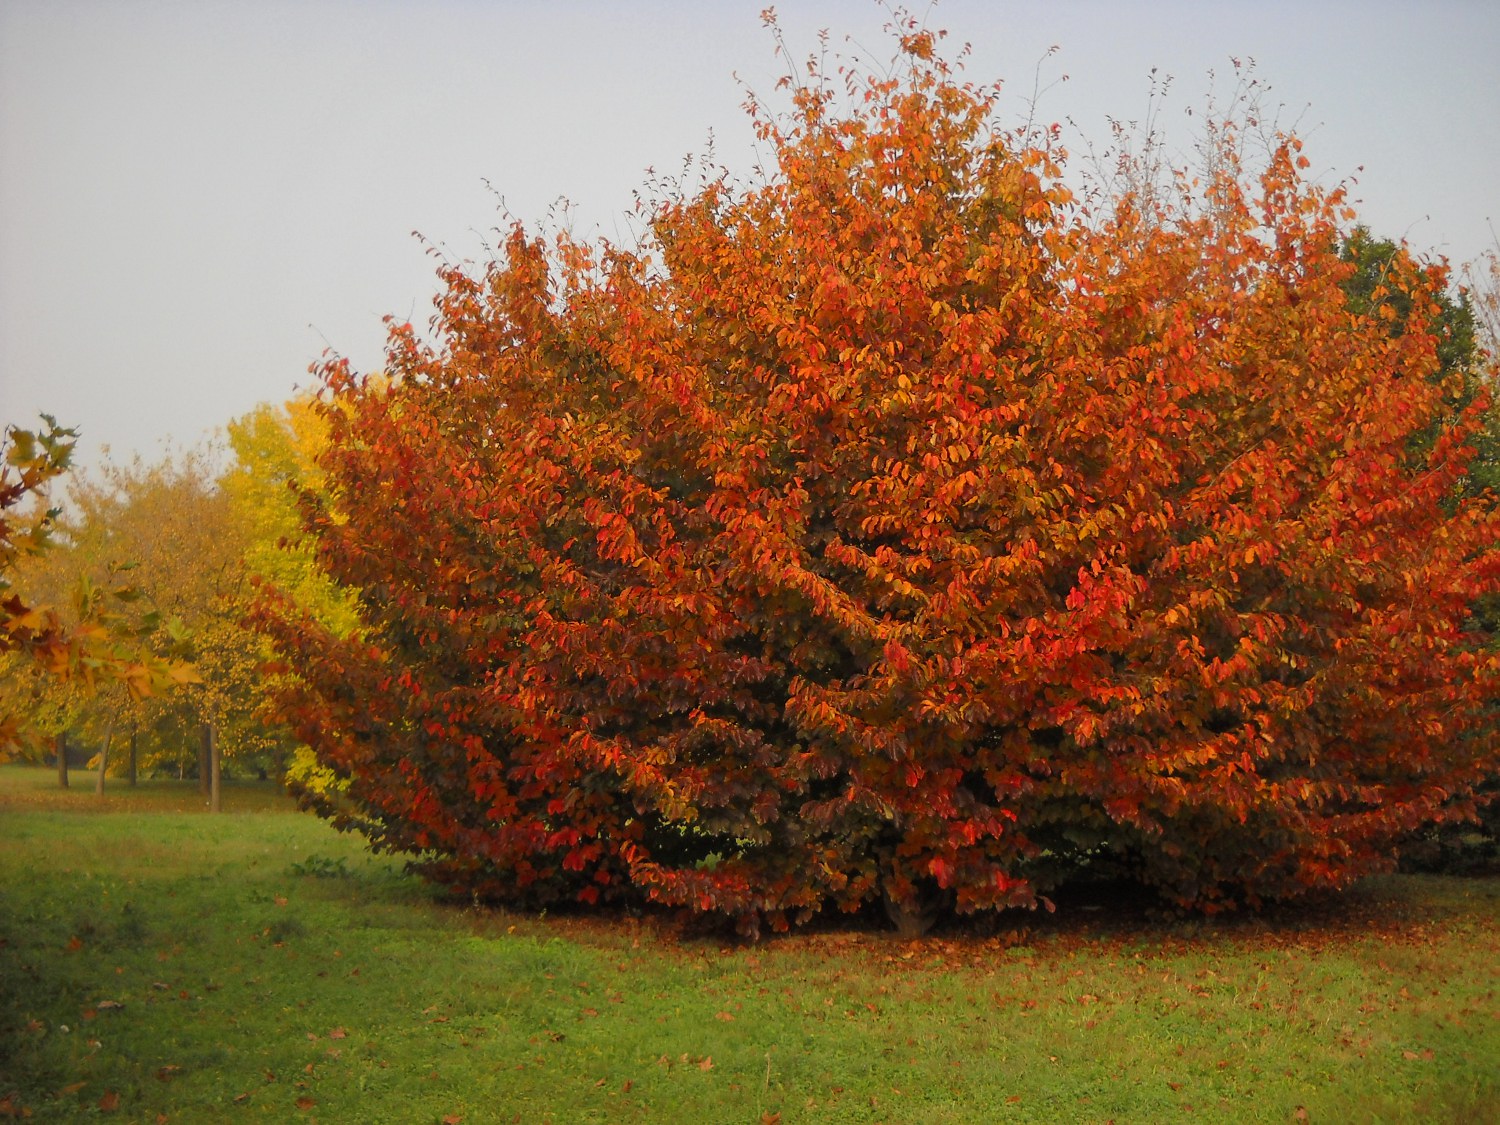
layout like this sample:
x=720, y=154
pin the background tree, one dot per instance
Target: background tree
x=275, y=458
x=903, y=530
x=171, y=529
x=101, y=644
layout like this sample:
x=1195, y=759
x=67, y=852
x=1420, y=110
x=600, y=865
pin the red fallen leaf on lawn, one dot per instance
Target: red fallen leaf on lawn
x=280, y=900
x=453, y=1119
x=1301, y=1114
x=241, y=1099
x=1013, y=1099
x=706, y=1064
x=338, y=1033
x=724, y=1016
x=109, y=1102
x=1410, y=1055
x=168, y=1072
x=72, y=1088
x=305, y=1102
x=770, y=1119
x=74, y=945
x=625, y=1089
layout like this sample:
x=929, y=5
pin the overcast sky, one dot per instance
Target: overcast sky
x=198, y=198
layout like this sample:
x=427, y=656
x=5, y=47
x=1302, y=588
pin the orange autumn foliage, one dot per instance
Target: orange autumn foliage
x=904, y=530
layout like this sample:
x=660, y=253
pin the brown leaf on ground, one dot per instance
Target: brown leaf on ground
x=305, y=1102
x=109, y=1102
x=338, y=1033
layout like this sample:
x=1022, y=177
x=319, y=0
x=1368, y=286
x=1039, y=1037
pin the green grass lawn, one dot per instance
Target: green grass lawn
x=161, y=964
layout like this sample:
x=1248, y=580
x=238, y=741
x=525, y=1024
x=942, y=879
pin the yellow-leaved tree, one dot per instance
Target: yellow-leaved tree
x=276, y=449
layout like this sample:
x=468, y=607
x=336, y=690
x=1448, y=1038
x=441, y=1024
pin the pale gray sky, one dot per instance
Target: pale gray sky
x=196, y=198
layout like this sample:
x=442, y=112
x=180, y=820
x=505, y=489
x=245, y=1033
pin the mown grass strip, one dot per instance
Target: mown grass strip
x=161, y=964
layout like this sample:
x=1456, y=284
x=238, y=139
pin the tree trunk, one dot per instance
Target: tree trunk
x=214, y=802
x=60, y=743
x=134, y=734
x=109, y=733
x=205, y=751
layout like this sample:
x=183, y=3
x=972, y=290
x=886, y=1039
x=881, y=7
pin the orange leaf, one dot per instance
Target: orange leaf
x=109, y=1102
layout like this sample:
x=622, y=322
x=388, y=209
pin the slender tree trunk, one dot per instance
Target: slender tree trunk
x=60, y=744
x=134, y=734
x=205, y=751
x=215, y=804
x=109, y=733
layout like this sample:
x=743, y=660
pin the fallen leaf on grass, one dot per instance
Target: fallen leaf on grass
x=305, y=1102
x=453, y=1119
x=168, y=1072
x=338, y=1033
x=706, y=1064
x=770, y=1119
x=74, y=945
x=109, y=1005
x=109, y=1102
x=72, y=1088
x=241, y=1099
x=724, y=1017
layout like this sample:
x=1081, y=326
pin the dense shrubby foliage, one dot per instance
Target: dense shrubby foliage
x=903, y=529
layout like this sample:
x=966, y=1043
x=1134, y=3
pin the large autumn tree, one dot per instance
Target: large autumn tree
x=903, y=529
